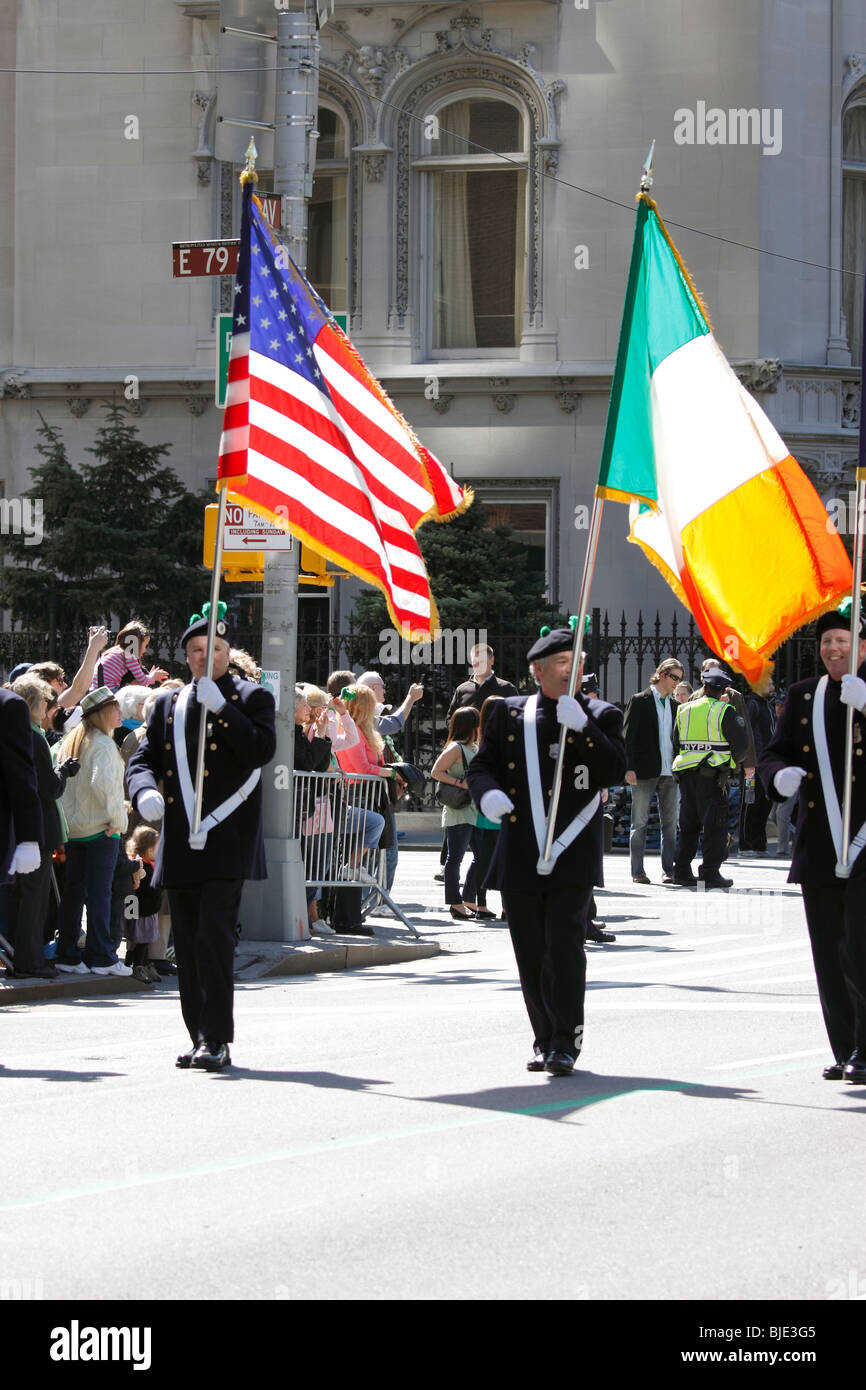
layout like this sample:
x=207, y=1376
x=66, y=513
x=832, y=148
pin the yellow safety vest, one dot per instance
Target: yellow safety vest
x=699, y=725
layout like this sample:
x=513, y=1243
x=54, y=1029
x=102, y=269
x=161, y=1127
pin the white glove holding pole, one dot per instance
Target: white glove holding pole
x=495, y=804
x=26, y=858
x=150, y=805
x=209, y=694
x=853, y=691
x=787, y=781
x=571, y=713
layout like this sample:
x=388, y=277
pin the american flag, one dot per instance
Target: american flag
x=311, y=440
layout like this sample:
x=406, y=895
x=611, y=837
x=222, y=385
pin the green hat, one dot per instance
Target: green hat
x=97, y=699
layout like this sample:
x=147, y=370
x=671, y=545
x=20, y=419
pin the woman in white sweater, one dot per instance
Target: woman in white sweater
x=96, y=816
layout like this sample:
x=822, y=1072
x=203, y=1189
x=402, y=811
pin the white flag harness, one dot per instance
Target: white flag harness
x=536, y=798
x=831, y=800
x=220, y=813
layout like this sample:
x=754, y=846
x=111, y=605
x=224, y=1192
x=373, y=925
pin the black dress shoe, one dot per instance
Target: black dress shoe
x=855, y=1067
x=834, y=1072
x=359, y=930
x=467, y=916
x=596, y=933
x=537, y=1062
x=685, y=880
x=211, y=1056
x=716, y=881
x=559, y=1063
x=185, y=1059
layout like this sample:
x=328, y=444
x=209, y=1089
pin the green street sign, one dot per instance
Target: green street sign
x=223, y=348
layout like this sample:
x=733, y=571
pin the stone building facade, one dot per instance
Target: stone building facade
x=472, y=216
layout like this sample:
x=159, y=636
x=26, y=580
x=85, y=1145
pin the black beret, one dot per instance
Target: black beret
x=837, y=619
x=558, y=639
x=198, y=625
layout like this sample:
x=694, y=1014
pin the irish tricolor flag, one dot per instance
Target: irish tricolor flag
x=719, y=505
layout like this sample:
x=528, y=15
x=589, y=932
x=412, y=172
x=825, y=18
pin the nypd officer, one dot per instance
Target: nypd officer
x=204, y=881
x=710, y=738
x=807, y=755
x=511, y=779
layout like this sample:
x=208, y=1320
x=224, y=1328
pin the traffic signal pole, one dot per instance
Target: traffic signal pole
x=276, y=909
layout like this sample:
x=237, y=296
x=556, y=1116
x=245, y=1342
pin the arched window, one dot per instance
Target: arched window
x=854, y=222
x=474, y=166
x=327, y=247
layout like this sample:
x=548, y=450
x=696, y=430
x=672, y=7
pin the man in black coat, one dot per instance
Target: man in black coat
x=483, y=683
x=807, y=756
x=649, y=751
x=20, y=810
x=205, y=880
x=754, y=814
x=510, y=778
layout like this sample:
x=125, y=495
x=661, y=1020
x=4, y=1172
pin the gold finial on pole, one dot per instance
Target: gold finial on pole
x=249, y=174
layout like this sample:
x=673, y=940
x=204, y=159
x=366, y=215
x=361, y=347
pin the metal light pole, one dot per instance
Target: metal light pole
x=276, y=909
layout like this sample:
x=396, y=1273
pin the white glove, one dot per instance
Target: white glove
x=26, y=858
x=150, y=805
x=209, y=694
x=495, y=804
x=570, y=713
x=73, y=719
x=853, y=691
x=788, y=780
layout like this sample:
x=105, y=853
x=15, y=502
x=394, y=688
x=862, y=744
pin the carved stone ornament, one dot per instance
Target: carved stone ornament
x=203, y=170
x=13, y=387
x=854, y=72
x=441, y=403
x=78, y=406
x=197, y=405
x=569, y=401
x=375, y=67
x=851, y=396
x=504, y=402
x=135, y=407
x=764, y=374
x=374, y=167
x=497, y=382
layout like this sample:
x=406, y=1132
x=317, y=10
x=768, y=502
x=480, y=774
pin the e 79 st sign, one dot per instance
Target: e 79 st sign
x=195, y=258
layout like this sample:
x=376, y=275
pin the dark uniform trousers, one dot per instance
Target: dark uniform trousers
x=547, y=930
x=703, y=806
x=836, y=918
x=203, y=919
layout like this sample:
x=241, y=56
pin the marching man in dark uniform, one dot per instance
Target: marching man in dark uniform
x=204, y=883
x=807, y=755
x=511, y=778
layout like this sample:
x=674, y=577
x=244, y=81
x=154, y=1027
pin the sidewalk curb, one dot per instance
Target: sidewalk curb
x=76, y=987
x=311, y=957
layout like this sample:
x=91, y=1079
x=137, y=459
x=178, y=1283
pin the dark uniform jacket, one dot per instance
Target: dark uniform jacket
x=501, y=763
x=641, y=727
x=20, y=810
x=814, y=856
x=469, y=695
x=51, y=787
x=240, y=738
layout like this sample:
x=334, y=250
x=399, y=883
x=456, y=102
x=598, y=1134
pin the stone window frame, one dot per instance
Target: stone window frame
x=521, y=489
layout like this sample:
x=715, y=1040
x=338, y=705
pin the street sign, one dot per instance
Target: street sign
x=246, y=530
x=195, y=258
x=223, y=348
x=272, y=207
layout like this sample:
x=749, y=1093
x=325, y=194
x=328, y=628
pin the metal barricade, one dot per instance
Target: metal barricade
x=332, y=818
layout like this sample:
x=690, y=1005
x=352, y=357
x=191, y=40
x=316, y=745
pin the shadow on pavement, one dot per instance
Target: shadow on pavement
x=328, y=1080
x=565, y=1094
x=38, y=1074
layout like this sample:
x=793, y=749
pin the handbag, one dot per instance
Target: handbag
x=454, y=798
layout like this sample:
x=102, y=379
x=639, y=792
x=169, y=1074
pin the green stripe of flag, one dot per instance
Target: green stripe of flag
x=661, y=314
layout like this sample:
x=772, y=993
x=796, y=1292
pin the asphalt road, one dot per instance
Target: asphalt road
x=379, y=1137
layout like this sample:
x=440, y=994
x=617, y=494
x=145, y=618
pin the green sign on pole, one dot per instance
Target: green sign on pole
x=223, y=348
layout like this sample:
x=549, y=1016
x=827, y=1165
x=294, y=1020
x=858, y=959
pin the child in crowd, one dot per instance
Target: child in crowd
x=142, y=929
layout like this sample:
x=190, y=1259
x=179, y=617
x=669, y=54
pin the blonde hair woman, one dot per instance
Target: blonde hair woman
x=96, y=817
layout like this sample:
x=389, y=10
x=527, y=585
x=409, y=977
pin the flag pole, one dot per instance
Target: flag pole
x=213, y=617
x=843, y=868
x=545, y=865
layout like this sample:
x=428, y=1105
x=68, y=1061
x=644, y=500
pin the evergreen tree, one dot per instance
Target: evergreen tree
x=121, y=535
x=479, y=576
